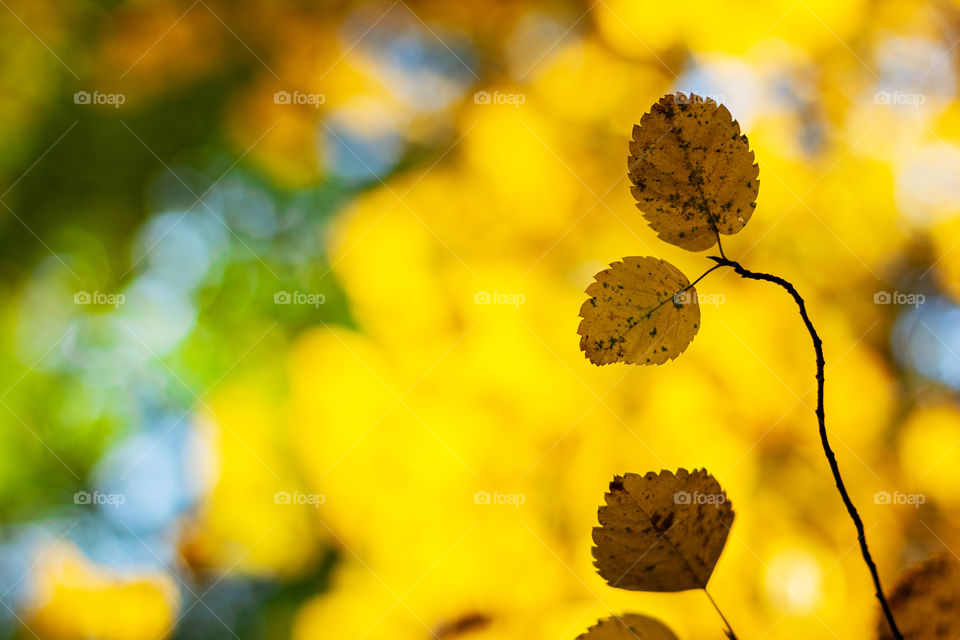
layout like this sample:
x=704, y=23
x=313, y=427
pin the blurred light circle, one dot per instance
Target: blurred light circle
x=927, y=339
x=792, y=581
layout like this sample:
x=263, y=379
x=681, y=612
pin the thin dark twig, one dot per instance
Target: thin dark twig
x=730, y=634
x=821, y=419
x=702, y=276
x=685, y=289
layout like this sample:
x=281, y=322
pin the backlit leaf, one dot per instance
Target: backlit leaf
x=926, y=601
x=640, y=312
x=692, y=171
x=630, y=626
x=662, y=532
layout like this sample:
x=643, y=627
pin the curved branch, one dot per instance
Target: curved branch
x=821, y=419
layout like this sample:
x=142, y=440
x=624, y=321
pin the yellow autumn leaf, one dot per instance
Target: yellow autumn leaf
x=926, y=601
x=662, y=532
x=630, y=626
x=641, y=311
x=692, y=171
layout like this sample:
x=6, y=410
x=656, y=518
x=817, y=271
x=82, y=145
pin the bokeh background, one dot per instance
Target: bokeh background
x=289, y=310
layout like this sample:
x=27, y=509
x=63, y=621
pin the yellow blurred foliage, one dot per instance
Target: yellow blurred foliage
x=458, y=440
x=931, y=452
x=75, y=599
x=250, y=523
